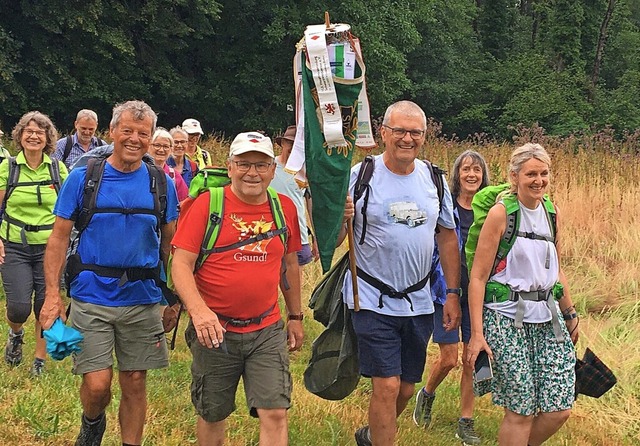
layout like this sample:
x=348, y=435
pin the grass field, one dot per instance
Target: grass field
x=598, y=192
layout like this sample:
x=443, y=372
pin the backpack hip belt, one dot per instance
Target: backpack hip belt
x=386, y=290
x=75, y=267
x=244, y=322
x=497, y=293
x=24, y=227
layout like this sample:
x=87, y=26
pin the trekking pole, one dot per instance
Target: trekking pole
x=172, y=345
x=352, y=265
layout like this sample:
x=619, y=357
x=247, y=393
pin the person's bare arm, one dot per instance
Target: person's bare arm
x=488, y=241
x=450, y=260
x=349, y=213
x=293, y=301
x=166, y=235
x=54, y=258
x=566, y=303
x=206, y=323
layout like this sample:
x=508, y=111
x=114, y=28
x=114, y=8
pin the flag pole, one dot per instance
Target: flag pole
x=352, y=265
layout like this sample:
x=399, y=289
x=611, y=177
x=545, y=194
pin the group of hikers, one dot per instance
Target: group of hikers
x=132, y=224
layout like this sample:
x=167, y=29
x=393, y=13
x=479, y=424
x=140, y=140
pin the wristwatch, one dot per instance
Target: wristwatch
x=457, y=291
x=295, y=317
x=568, y=317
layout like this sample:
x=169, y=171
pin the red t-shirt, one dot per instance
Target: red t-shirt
x=241, y=283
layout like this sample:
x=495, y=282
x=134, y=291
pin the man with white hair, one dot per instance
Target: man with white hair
x=72, y=147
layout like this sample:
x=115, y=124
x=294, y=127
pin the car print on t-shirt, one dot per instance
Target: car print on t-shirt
x=407, y=212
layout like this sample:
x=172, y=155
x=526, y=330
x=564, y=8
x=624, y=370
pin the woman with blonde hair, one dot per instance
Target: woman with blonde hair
x=26, y=226
x=517, y=306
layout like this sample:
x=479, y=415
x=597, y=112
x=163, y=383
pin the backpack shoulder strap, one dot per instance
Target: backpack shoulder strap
x=12, y=179
x=214, y=222
x=551, y=216
x=362, y=187
x=54, y=171
x=67, y=148
x=92, y=180
x=512, y=208
x=278, y=215
x=205, y=156
x=158, y=188
x=437, y=175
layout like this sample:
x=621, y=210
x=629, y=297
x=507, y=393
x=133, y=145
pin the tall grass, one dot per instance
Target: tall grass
x=598, y=192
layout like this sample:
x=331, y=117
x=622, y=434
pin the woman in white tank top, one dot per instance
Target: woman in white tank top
x=533, y=366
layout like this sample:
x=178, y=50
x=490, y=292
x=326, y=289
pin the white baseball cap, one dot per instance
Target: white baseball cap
x=251, y=142
x=192, y=126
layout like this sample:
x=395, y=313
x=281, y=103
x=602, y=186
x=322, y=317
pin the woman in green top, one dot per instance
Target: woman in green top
x=29, y=185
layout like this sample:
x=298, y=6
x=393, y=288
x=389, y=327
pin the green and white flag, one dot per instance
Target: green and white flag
x=327, y=163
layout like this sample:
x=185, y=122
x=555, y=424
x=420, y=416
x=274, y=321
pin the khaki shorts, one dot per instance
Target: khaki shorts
x=135, y=332
x=260, y=358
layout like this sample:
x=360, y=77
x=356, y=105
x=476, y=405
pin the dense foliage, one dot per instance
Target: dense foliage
x=479, y=66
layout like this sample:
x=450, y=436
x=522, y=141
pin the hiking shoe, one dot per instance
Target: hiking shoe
x=38, y=367
x=13, y=350
x=91, y=432
x=363, y=436
x=422, y=412
x=466, y=433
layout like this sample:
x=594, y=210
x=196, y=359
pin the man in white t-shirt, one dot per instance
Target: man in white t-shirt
x=395, y=320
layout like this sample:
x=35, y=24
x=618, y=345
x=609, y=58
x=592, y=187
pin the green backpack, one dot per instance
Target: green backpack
x=213, y=179
x=484, y=200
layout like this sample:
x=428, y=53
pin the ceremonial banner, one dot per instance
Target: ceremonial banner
x=328, y=166
x=348, y=52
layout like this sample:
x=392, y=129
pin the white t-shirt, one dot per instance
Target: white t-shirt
x=401, y=218
x=525, y=269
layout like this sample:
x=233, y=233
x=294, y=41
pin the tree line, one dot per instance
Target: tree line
x=479, y=67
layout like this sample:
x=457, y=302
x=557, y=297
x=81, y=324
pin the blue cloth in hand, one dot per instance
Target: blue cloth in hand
x=62, y=340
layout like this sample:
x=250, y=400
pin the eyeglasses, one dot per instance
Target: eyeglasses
x=161, y=146
x=179, y=142
x=399, y=133
x=38, y=133
x=194, y=137
x=261, y=167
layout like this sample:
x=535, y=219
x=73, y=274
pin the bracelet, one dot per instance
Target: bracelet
x=575, y=328
x=569, y=309
x=568, y=317
x=295, y=317
x=457, y=291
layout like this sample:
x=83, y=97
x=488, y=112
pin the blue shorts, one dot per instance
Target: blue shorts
x=441, y=336
x=392, y=345
x=304, y=255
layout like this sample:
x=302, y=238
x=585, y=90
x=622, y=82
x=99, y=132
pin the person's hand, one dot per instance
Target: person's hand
x=476, y=344
x=295, y=335
x=1, y=252
x=315, y=252
x=208, y=328
x=451, y=313
x=52, y=309
x=349, y=209
x=170, y=317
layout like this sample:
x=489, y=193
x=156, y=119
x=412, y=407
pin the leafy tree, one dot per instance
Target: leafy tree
x=95, y=53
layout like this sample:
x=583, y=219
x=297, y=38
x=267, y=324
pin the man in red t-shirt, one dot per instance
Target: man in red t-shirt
x=236, y=330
